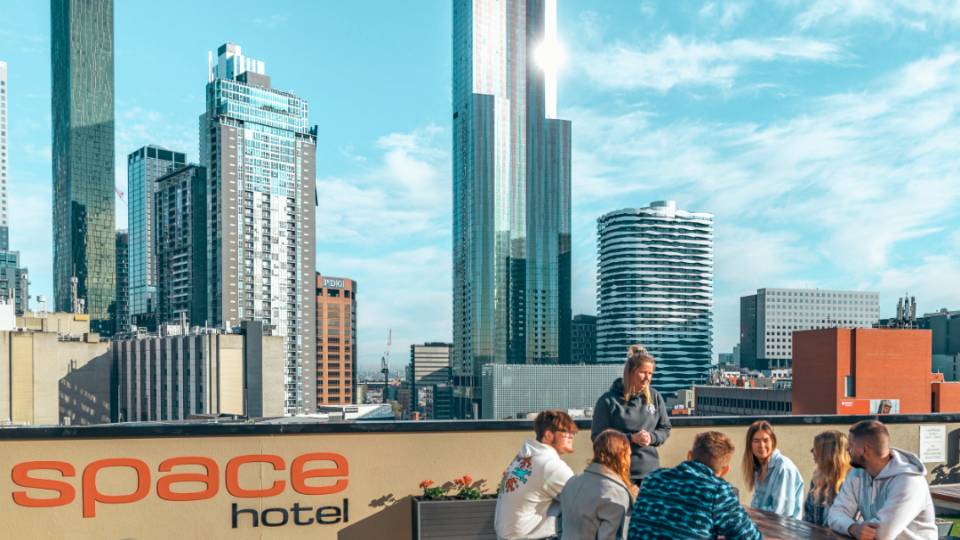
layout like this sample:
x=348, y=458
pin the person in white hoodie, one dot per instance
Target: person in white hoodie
x=528, y=499
x=885, y=496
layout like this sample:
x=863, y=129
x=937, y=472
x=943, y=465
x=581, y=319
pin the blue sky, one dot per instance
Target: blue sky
x=823, y=135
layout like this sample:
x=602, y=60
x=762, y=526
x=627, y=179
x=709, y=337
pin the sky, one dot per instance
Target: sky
x=823, y=135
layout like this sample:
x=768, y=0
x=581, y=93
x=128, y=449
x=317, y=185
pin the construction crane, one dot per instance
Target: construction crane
x=385, y=363
x=120, y=194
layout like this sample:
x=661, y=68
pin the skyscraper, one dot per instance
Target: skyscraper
x=181, y=248
x=655, y=288
x=511, y=162
x=144, y=167
x=120, y=308
x=336, y=340
x=4, y=90
x=259, y=153
x=83, y=156
x=14, y=280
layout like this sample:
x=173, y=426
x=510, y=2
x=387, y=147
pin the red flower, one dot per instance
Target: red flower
x=425, y=484
x=467, y=480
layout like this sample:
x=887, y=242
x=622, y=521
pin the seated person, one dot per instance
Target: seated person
x=886, y=495
x=595, y=505
x=692, y=500
x=831, y=459
x=527, y=501
x=775, y=481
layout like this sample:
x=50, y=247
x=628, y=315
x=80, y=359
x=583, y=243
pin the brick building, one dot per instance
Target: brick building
x=868, y=371
x=336, y=340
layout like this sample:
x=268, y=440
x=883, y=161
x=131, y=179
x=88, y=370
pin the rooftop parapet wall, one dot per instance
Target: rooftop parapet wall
x=382, y=463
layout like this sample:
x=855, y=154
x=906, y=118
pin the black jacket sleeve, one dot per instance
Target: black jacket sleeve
x=662, y=432
x=601, y=417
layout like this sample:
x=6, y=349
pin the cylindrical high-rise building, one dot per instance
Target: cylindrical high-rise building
x=655, y=288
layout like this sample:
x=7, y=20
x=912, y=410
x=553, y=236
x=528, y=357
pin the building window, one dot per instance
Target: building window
x=850, y=391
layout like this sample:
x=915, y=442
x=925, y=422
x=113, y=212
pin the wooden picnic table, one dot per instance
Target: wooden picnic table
x=946, y=496
x=774, y=526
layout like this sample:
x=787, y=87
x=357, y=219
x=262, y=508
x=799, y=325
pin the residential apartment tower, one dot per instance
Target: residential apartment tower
x=655, y=289
x=259, y=153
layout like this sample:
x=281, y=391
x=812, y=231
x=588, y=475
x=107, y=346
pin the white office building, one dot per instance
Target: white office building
x=769, y=318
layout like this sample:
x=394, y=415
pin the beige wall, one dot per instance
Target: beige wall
x=274, y=367
x=384, y=470
x=65, y=323
x=34, y=364
x=22, y=383
x=229, y=375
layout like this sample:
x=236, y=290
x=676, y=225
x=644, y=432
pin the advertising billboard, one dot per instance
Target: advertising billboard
x=869, y=406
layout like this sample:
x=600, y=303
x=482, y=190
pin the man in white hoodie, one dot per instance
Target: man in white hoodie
x=528, y=499
x=886, y=496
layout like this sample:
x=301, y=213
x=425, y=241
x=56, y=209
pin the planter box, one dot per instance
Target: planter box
x=454, y=519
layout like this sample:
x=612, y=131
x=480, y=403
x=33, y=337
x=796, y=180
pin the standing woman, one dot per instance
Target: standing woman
x=638, y=411
x=832, y=465
x=775, y=481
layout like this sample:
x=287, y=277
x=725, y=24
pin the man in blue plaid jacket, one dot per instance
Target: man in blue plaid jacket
x=692, y=500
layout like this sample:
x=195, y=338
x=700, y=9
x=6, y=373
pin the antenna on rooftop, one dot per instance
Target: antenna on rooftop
x=385, y=364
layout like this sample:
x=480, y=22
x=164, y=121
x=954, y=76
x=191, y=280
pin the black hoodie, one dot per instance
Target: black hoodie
x=612, y=412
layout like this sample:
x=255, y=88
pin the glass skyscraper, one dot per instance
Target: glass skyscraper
x=259, y=153
x=511, y=192
x=655, y=288
x=84, y=238
x=144, y=167
x=120, y=309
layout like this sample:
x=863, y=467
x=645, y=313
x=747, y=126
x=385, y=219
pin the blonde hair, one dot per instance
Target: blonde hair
x=832, y=464
x=637, y=357
x=612, y=450
x=750, y=462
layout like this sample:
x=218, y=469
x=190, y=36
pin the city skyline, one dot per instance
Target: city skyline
x=764, y=128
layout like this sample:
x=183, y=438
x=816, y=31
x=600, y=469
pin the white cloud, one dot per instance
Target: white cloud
x=405, y=193
x=676, y=61
x=272, y=22
x=725, y=14
x=914, y=14
x=932, y=279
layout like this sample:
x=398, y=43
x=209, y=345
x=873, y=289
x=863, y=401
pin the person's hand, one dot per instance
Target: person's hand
x=641, y=438
x=863, y=531
x=634, y=490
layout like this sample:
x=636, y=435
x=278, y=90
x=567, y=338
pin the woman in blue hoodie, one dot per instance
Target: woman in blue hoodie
x=775, y=481
x=638, y=411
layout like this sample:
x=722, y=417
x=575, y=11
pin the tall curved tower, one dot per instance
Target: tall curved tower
x=655, y=288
